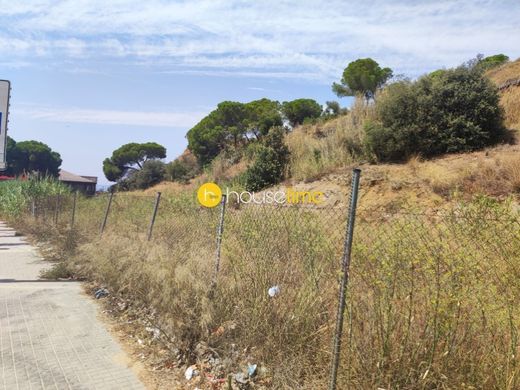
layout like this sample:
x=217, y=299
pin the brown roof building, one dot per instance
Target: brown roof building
x=83, y=184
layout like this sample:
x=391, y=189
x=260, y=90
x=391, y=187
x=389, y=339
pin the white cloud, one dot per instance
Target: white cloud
x=109, y=117
x=260, y=89
x=245, y=73
x=304, y=38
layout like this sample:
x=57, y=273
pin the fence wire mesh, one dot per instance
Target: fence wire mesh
x=426, y=287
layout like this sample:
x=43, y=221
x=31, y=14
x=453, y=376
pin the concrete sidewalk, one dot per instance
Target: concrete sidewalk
x=50, y=337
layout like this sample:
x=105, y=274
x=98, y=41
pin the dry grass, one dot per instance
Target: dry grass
x=498, y=177
x=319, y=149
x=511, y=169
x=510, y=100
x=503, y=73
x=166, y=187
x=434, y=301
x=224, y=168
x=510, y=97
x=494, y=173
x=426, y=184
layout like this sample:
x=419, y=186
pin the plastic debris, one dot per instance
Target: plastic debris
x=251, y=370
x=241, y=378
x=154, y=331
x=191, y=372
x=101, y=293
x=273, y=291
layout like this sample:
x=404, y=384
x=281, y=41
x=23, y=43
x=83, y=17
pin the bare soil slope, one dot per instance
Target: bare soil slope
x=425, y=184
x=507, y=78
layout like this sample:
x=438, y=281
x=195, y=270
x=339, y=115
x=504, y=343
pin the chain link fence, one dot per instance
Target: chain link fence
x=425, y=288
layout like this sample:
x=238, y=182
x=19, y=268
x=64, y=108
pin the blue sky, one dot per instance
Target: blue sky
x=89, y=76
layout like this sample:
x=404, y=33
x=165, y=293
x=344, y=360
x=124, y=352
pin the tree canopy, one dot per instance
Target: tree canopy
x=131, y=157
x=297, y=111
x=362, y=77
x=31, y=156
x=232, y=122
x=263, y=115
x=333, y=109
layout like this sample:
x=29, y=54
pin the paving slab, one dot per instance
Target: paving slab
x=50, y=335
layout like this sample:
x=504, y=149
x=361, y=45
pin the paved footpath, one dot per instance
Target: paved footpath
x=50, y=337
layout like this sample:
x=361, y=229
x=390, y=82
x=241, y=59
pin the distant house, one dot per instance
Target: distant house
x=83, y=184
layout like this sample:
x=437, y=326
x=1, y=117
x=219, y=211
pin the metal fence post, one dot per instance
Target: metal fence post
x=154, y=214
x=106, y=213
x=345, y=265
x=43, y=207
x=33, y=208
x=220, y=231
x=57, y=209
x=73, y=216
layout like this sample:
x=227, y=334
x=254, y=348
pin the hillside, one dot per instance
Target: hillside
x=507, y=79
x=420, y=183
x=426, y=184
x=494, y=171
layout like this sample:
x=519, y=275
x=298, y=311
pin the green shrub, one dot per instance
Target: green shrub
x=153, y=172
x=15, y=195
x=177, y=171
x=491, y=62
x=183, y=168
x=270, y=161
x=456, y=110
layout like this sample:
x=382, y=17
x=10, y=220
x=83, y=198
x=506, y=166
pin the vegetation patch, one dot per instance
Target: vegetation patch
x=448, y=111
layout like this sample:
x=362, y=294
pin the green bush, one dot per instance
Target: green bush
x=270, y=161
x=491, y=62
x=177, y=171
x=153, y=172
x=456, y=110
x=16, y=195
x=181, y=171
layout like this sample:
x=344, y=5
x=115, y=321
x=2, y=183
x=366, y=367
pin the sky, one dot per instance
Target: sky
x=90, y=76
